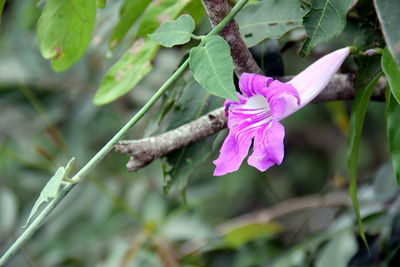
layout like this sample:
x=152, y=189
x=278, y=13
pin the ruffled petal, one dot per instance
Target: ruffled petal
x=268, y=147
x=233, y=151
x=282, y=98
x=253, y=84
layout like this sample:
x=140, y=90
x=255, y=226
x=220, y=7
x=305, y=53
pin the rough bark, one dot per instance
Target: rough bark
x=242, y=58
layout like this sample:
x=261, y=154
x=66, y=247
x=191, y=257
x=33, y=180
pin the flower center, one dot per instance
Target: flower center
x=256, y=111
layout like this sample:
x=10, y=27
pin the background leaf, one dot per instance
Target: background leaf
x=2, y=3
x=127, y=71
x=388, y=15
x=338, y=251
x=393, y=129
x=130, y=13
x=64, y=30
x=174, y=32
x=160, y=12
x=135, y=64
x=101, y=3
x=212, y=67
x=270, y=19
x=326, y=20
x=242, y=234
x=392, y=73
x=358, y=112
x=8, y=210
x=190, y=105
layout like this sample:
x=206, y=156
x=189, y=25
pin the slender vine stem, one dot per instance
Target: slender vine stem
x=37, y=222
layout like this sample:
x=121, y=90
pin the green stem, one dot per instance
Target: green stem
x=36, y=223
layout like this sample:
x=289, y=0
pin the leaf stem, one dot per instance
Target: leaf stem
x=196, y=37
x=36, y=223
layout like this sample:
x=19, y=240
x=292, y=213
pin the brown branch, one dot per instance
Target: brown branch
x=144, y=151
x=242, y=58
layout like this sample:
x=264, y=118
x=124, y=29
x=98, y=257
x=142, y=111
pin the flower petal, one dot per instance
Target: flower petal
x=252, y=84
x=233, y=151
x=268, y=146
x=281, y=97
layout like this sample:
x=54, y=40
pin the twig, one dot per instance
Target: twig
x=144, y=151
x=242, y=58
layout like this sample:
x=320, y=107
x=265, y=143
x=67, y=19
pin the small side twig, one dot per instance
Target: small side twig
x=144, y=151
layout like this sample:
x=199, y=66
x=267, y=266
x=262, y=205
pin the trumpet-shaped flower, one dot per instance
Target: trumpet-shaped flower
x=262, y=104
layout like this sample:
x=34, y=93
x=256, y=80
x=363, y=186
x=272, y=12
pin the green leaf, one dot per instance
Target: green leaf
x=243, y=234
x=51, y=188
x=326, y=20
x=196, y=10
x=160, y=12
x=393, y=129
x=127, y=71
x=101, y=3
x=392, y=73
x=174, y=32
x=49, y=191
x=2, y=3
x=130, y=13
x=270, y=19
x=192, y=103
x=359, y=110
x=64, y=30
x=338, y=251
x=388, y=15
x=212, y=67
x=135, y=64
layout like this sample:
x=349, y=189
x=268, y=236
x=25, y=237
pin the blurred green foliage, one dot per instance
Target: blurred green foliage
x=296, y=214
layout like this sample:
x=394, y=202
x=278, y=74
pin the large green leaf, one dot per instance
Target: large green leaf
x=64, y=30
x=326, y=20
x=130, y=12
x=388, y=15
x=393, y=119
x=174, y=32
x=212, y=67
x=127, y=72
x=270, y=19
x=358, y=112
x=392, y=72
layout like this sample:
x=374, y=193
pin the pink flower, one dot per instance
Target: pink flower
x=262, y=104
